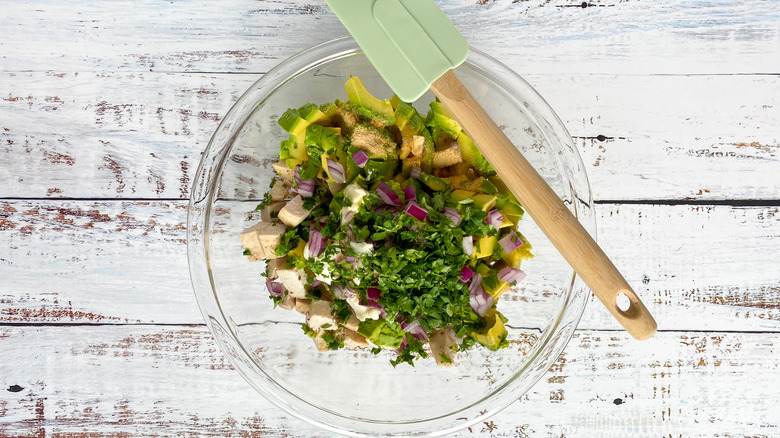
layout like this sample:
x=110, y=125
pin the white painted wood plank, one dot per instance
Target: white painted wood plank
x=697, y=268
x=95, y=262
x=251, y=36
x=140, y=135
x=173, y=381
x=107, y=135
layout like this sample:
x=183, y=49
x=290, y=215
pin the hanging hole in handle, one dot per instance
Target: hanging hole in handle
x=625, y=304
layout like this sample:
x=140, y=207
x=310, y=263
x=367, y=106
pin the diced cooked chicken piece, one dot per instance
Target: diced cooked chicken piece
x=287, y=302
x=285, y=172
x=293, y=213
x=321, y=344
x=261, y=239
x=293, y=280
x=418, y=144
x=273, y=266
x=280, y=190
x=302, y=305
x=320, y=317
x=271, y=211
x=353, y=339
x=447, y=156
x=441, y=343
x=352, y=323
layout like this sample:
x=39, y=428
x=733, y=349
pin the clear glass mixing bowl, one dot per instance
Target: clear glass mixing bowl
x=353, y=391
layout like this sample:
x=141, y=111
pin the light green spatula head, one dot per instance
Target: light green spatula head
x=410, y=42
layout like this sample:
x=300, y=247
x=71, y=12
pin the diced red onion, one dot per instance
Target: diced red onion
x=468, y=245
x=350, y=259
x=416, y=330
x=479, y=300
x=495, y=218
x=416, y=211
x=316, y=283
x=305, y=187
x=510, y=275
x=466, y=274
x=274, y=288
x=336, y=171
x=360, y=158
x=453, y=214
x=510, y=242
x=415, y=172
x=315, y=243
x=348, y=215
x=388, y=195
x=372, y=295
x=409, y=193
x=476, y=281
x=402, y=346
x=342, y=292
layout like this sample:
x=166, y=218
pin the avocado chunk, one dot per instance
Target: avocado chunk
x=459, y=195
x=367, y=105
x=473, y=156
x=512, y=212
x=493, y=335
x=515, y=258
x=444, y=120
x=293, y=148
x=312, y=114
x=433, y=182
x=409, y=124
x=484, y=246
x=484, y=202
x=292, y=122
x=490, y=281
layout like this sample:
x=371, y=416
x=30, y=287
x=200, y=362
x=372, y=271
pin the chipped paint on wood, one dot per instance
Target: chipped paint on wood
x=148, y=145
x=732, y=281
x=142, y=380
x=535, y=37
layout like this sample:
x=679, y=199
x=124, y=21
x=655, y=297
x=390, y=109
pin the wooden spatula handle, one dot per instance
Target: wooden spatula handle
x=540, y=201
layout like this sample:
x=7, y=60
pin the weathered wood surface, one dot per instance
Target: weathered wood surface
x=105, y=108
x=614, y=36
x=140, y=135
x=173, y=381
x=696, y=267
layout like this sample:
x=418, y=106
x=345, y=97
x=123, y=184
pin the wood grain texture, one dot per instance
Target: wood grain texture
x=106, y=106
x=696, y=267
x=173, y=381
x=252, y=36
x=140, y=135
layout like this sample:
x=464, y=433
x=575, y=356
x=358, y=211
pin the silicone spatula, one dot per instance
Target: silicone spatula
x=414, y=47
